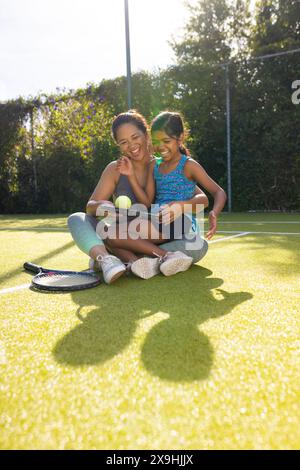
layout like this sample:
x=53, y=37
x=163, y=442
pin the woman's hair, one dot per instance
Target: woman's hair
x=130, y=117
x=172, y=124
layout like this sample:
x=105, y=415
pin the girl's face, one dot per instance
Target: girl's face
x=132, y=141
x=167, y=146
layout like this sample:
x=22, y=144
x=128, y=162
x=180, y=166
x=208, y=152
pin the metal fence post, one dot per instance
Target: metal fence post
x=129, y=99
x=32, y=152
x=229, y=200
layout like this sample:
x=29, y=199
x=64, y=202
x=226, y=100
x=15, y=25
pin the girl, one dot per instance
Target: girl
x=172, y=183
x=175, y=177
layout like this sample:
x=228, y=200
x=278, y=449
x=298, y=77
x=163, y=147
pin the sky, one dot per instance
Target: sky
x=50, y=44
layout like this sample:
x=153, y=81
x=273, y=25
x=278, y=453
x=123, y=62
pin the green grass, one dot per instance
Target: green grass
x=207, y=359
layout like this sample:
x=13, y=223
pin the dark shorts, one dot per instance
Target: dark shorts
x=177, y=229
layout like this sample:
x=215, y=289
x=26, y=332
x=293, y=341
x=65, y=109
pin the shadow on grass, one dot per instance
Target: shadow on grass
x=174, y=349
x=40, y=261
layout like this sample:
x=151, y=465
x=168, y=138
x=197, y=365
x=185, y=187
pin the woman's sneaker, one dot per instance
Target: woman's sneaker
x=146, y=267
x=94, y=265
x=112, y=267
x=175, y=262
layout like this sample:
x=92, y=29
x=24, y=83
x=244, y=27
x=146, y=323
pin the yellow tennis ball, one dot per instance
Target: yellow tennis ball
x=123, y=202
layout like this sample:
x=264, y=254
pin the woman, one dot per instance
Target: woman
x=130, y=132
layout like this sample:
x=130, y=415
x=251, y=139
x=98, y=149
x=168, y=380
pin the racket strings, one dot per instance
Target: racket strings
x=64, y=280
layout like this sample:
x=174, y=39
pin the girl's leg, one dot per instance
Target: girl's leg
x=146, y=247
x=138, y=237
x=167, y=263
x=125, y=255
x=143, y=246
x=133, y=239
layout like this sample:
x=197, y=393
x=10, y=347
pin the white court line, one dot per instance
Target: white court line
x=220, y=222
x=13, y=289
x=257, y=223
x=34, y=229
x=257, y=233
x=228, y=238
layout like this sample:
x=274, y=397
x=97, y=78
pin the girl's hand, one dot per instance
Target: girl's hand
x=212, y=218
x=124, y=166
x=170, y=212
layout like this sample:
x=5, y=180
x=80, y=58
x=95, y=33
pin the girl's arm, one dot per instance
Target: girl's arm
x=197, y=173
x=197, y=201
x=172, y=210
x=104, y=189
x=144, y=196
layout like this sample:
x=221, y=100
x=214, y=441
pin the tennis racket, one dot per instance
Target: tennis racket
x=58, y=280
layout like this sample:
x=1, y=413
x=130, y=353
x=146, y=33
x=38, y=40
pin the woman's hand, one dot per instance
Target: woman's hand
x=170, y=212
x=124, y=166
x=105, y=208
x=212, y=218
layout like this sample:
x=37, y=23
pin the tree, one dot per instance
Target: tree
x=265, y=162
x=12, y=117
x=276, y=118
x=277, y=26
x=216, y=31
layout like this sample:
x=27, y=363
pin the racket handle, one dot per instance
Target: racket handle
x=34, y=268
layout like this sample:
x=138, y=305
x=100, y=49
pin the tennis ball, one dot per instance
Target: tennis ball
x=123, y=202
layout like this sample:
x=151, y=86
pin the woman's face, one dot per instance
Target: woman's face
x=132, y=142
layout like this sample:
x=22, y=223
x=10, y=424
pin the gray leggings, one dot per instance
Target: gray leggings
x=83, y=231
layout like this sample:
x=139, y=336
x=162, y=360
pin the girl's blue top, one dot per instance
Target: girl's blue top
x=173, y=186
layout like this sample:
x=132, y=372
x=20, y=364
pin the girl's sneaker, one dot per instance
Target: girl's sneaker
x=175, y=262
x=146, y=267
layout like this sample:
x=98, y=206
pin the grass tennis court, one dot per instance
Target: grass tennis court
x=207, y=359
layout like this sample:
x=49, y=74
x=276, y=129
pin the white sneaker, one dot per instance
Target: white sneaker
x=175, y=262
x=112, y=267
x=146, y=267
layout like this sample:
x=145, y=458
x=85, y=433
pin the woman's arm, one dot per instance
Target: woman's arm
x=104, y=189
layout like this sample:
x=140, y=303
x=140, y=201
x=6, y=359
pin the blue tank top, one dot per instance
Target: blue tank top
x=173, y=186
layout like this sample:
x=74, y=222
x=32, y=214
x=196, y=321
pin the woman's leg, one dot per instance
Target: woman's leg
x=83, y=231
x=193, y=245
x=196, y=249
